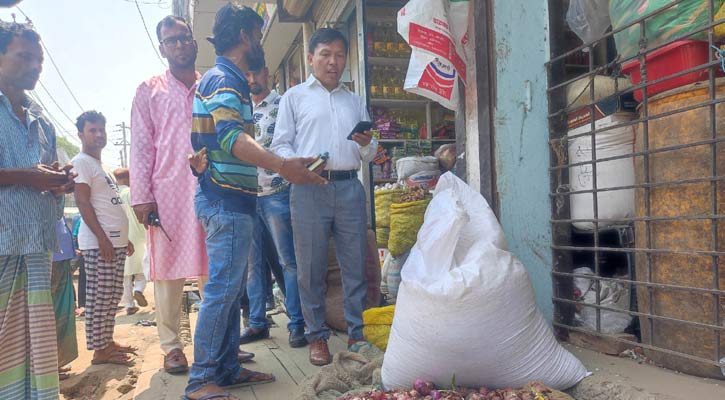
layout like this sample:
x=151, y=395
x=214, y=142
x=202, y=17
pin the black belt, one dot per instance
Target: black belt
x=339, y=175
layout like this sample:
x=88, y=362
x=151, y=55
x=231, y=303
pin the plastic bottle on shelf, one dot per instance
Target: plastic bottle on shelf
x=370, y=41
x=403, y=48
x=391, y=41
x=375, y=88
x=389, y=83
x=379, y=40
x=403, y=122
x=414, y=124
x=399, y=81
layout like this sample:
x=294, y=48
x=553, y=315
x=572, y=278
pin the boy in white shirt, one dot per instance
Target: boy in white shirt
x=102, y=239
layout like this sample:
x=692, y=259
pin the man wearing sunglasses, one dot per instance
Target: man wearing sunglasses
x=162, y=183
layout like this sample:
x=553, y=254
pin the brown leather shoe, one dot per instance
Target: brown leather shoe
x=320, y=353
x=175, y=362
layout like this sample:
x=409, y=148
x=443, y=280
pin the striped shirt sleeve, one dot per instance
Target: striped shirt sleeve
x=231, y=113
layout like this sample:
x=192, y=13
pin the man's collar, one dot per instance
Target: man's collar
x=311, y=81
x=34, y=108
x=267, y=100
x=170, y=76
x=35, y=111
x=228, y=64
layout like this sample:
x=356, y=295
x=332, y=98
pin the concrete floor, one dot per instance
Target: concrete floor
x=290, y=367
x=615, y=378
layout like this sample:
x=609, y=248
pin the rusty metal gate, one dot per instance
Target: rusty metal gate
x=637, y=183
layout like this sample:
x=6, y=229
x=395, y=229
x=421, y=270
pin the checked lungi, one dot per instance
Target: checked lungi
x=104, y=289
x=28, y=350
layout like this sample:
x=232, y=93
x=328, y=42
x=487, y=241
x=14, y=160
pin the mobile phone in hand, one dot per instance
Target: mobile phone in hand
x=361, y=127
x=318, y=161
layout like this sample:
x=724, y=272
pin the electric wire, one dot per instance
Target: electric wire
x=151, y=40
x=52, y=61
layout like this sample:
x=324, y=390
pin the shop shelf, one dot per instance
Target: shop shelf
x=389, y=61
x=439, y=140
x=399, y=103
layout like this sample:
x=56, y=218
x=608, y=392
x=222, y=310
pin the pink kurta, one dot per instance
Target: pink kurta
x=160, y=143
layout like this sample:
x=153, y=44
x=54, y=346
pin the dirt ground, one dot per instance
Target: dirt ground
x=100, y=382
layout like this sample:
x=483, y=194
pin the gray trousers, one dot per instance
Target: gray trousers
x=318, y=212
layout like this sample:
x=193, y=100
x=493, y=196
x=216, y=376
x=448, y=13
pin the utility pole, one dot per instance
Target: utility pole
x=123, y=142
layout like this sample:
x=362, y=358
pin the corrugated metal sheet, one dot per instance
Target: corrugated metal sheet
x=328, y=11
x=297, y=8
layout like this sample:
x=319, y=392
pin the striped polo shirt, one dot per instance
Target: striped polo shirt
x=27, y=216
x=222, y=111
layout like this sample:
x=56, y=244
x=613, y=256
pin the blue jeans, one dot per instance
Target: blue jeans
x=318, y=212
x=273, y=214
x=216, y=339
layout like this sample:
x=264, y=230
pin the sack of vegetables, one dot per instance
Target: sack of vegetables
x=405, y=221
x=466, y=308
x=383, y=200
x=377, y=322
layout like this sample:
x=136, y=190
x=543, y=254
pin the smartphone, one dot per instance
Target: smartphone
x=318, y=161
x=361, y=127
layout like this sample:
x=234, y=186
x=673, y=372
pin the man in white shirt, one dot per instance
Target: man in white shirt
x=102, y=239
x=317, y=117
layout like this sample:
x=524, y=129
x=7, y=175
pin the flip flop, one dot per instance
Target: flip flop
x=116, y=358
x=249, y=380
x=210, y=396
x=125, y=349
x=140, y=298
x=63, y=376
x=244, y=356
x=63, y=369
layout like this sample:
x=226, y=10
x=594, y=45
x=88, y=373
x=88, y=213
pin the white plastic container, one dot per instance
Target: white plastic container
x=615, y=173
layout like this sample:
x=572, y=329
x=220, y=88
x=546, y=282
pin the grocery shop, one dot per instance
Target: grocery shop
x=591, y=129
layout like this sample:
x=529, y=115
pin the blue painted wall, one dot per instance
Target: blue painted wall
x=521, y=134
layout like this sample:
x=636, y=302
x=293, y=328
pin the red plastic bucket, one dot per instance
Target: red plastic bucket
x=671, y=59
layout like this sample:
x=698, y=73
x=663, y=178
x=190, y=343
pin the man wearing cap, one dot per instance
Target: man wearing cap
x=226, y=198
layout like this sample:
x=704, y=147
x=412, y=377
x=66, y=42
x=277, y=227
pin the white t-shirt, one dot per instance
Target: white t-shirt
x=105, y=200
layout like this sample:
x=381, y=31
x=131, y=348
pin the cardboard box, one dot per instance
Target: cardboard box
x=606, y=107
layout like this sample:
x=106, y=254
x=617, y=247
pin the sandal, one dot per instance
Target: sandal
x=225, y=396
x=250, y=378
x=222, y=395
x=244, y=356
x=117, y=358
x=125, y=349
